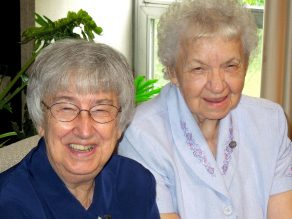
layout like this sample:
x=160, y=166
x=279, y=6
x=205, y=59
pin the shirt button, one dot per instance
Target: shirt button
x=227, y=210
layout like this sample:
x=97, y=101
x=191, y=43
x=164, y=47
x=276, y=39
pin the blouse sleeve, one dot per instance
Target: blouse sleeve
x=283, y=173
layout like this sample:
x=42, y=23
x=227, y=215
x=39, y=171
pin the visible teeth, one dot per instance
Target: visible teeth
x=80, y=147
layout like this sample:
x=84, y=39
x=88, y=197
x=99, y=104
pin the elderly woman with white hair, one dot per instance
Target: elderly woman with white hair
x=214, y=152
x=80, y=98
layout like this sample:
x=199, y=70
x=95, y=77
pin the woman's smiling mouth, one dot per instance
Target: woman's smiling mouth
x=215, y=100
x=81, y=148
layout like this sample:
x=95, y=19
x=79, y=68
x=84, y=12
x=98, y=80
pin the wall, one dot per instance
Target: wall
x=114, y=16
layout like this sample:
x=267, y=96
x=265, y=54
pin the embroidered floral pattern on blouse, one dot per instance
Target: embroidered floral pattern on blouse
x=197, y=151
x=227, y=153
x=200, y=155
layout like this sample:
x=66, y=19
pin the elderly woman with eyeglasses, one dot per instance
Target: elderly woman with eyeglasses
x=80, y=98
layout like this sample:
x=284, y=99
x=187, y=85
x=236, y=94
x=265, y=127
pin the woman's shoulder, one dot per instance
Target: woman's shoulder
x=14, y=179
x=133, y=187
x=155, y=106
x=258, y=104
x=125, y=167
x=131, y=172
x=17, y=179
x=260, y=112
x=15, y=185
x=130, y=177
x=150, y=108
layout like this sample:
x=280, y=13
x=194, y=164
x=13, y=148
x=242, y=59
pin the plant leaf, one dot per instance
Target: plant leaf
x=7, y=134
x=144, y=89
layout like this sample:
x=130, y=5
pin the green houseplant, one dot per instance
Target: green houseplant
x=145, y=89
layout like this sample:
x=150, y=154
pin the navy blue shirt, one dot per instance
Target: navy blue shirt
x=124, y=189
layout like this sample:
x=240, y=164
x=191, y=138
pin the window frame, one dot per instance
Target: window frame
x=145, y=12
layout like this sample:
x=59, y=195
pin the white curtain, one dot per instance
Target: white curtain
x=277, y=55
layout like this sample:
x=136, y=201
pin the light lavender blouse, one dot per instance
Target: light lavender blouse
x=166, y=139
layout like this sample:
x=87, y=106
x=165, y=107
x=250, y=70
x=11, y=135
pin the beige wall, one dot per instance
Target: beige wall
x=114, y=16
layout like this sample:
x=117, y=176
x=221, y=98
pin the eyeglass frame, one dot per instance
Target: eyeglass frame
x=119, y=110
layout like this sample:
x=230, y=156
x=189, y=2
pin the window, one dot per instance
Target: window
x=147, y=13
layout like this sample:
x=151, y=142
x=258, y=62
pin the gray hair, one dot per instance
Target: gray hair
x=205, y=18
x=90, y=66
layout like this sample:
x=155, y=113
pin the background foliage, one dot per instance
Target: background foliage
x=254, y=2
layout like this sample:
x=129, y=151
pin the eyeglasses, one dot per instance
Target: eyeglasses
x=67, y=112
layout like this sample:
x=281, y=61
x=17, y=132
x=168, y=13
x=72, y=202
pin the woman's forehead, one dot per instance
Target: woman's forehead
x=73, y=95
x=208, y=49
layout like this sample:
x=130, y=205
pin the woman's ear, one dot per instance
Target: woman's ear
x=119, y=133
x=172, y=75
x=41, y=131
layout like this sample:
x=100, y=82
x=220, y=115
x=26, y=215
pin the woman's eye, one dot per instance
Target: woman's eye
x=100, y=112
x=198, y=70
x=232, y=67
x=68, y=109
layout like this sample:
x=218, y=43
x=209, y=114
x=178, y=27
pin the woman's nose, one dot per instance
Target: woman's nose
x=216, y=81
x=84, y=124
